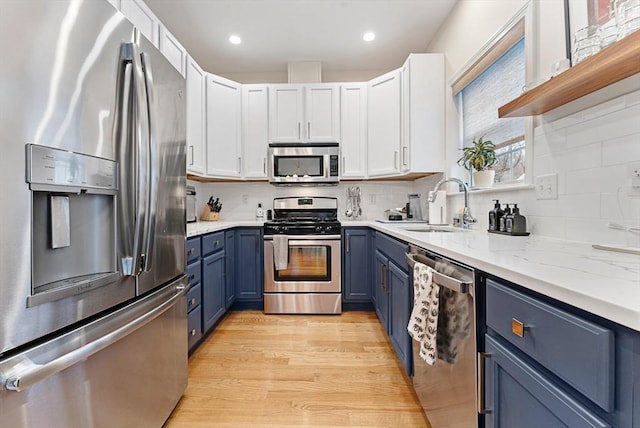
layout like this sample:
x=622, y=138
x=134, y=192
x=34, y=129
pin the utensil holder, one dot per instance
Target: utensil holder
x=210, y=216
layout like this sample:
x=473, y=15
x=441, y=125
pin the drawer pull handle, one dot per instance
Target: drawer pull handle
x=193, y=332
x=517, y=327
x=192, y=250
x=191, y=277
x=193, y=301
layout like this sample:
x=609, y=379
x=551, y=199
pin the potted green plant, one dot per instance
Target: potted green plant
x=480, y=156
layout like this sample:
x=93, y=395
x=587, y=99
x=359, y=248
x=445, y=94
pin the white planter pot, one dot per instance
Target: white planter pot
x=483, y=179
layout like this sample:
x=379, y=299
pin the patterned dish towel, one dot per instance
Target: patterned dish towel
x=454, y=322
x=423, y=323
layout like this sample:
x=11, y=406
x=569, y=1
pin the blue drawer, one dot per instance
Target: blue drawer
x=194, y=273
x=194, y=322
x=578, y=351
x=212, y=243
x=193, y=249
x=394, y=249
x=194, y=297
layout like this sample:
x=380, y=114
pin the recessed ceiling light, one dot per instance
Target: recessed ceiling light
x=367, y=37
x=236, y=40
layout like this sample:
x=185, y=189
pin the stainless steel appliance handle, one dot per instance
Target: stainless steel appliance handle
x=293, y=238
x=152, y=162
x=132, y=263
x=482, y=356
x=440, y=279
x=22, y=371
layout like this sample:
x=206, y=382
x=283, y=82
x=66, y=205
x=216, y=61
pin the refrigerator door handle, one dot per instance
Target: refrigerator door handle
x=152, y=156
x=133, y=263
x=22, y=371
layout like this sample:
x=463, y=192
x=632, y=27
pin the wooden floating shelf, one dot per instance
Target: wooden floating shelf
x=610, y=65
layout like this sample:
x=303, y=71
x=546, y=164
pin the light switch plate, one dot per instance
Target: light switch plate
x=547, y=186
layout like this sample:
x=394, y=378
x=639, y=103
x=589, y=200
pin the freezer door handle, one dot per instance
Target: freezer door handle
x=26, y=369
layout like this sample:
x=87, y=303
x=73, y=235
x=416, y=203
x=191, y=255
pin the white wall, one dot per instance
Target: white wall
x=589, y=150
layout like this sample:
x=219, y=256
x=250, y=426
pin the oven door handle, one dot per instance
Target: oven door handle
x=293, y=238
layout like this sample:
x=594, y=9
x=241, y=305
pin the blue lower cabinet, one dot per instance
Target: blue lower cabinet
x=399, y=312
x=229, y=267
x=380, y=288
x=249, y=265
x=393, y=294
x=194, y=323
x=519, y=395
x=356, y=264
x=213, y=289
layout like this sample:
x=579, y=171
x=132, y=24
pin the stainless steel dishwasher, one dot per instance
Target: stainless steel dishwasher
x=447, y=390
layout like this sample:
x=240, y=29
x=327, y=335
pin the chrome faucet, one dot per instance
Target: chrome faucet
x=467, y=218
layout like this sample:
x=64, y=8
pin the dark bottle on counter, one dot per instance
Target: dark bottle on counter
x=502, y=223
x=508, y=221
x=519, y=222
x=494, y=216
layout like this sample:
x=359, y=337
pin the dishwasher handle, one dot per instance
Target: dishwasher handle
x=35, y=372
x=439, y=278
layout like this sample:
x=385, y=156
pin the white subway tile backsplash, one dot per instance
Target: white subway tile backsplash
x=603, y=109
x=633, y=98
x=619, y=124
x=595, y=179
x=621, y=150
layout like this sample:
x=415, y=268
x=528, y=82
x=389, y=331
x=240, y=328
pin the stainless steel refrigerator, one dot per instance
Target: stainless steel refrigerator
x=93, y=329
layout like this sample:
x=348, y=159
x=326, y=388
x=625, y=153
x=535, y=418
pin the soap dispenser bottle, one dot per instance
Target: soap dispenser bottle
x=260, y=213
x=519, y=221
x=502, y=222
x=494, y=216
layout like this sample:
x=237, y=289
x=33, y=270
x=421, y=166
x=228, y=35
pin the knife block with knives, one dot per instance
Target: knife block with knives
x=212, y=211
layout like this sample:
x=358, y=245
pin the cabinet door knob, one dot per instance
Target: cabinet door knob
x=517, y=327
x=193, y=332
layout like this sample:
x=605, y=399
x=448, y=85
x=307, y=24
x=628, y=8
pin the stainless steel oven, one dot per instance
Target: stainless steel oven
x=305, y=236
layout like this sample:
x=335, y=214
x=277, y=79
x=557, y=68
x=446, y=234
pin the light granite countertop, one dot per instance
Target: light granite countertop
x=604, y=283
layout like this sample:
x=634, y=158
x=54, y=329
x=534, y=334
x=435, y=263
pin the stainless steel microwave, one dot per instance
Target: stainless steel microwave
x=304, y=164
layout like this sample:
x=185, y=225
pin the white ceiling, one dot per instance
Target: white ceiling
x=275, y=32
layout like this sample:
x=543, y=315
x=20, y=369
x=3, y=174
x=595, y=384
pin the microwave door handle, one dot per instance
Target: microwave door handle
x=152, y=163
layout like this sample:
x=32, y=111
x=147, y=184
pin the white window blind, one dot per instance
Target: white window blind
x=495, y=86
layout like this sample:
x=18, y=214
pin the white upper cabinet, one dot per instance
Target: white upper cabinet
x=383, y=125
x=223, y=127
x=353, y=130
x=173, y=50
x=196, y=81
x=285, y=108
x=423, y=127
x=255, y=130
x=322, y=113
x=142, y=18
x=304, y=113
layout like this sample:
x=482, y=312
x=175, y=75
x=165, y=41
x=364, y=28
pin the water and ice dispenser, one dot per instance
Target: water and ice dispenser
x=74, y=221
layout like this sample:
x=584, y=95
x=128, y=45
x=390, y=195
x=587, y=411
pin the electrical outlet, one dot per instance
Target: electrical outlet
x=634, y=173
x=633, y=169
x=547, y=186
x=245, y=199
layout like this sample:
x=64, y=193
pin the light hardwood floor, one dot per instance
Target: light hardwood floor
x=259, y=370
